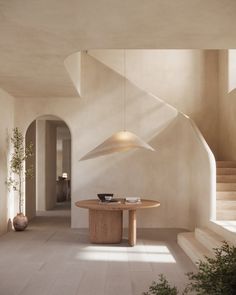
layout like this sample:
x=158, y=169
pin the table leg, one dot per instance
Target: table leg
x=132, y=227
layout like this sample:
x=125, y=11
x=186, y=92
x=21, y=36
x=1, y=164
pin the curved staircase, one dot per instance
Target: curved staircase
x=202, y=241
x=226, y=190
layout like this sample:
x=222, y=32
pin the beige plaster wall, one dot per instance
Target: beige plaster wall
x=227, y=107
x=59, y=162
x=66, y=159
x=50, y=164
x=30, y=184
x=7, y=123
x=186, y=79
x=40, y=164
x=164, y=175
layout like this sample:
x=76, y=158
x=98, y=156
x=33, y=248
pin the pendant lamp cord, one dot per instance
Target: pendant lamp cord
x=124, y=102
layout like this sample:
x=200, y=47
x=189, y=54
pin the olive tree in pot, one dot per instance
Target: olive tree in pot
x=18, y=174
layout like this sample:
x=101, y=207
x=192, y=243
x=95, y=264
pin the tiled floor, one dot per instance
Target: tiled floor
x=49, y=258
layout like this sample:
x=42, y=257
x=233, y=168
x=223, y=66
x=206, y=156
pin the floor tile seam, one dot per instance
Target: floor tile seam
x=27, y=283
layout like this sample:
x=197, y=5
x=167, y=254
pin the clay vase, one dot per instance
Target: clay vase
x=20, y=222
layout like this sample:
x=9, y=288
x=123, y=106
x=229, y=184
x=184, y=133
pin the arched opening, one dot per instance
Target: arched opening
x=48, y=193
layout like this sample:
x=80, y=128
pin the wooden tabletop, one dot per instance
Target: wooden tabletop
x=120, y=205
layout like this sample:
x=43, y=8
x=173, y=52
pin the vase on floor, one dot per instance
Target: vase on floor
x=20, y=222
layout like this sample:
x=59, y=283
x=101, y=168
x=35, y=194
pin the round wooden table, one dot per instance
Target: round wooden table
x=106, y=219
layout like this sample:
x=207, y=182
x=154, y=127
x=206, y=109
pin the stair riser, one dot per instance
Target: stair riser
x=231, y=196
x=226, y=215
x=226, y=171
x=225, y=205
x=208, y=240
x=226, y=164
x=226, y=187
x=189, y=251
x=226, y=178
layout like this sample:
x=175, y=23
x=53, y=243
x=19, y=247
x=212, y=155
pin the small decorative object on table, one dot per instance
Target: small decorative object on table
x=105, y=197
x=132, y=200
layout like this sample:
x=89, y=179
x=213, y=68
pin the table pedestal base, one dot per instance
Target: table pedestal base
x=105, y=227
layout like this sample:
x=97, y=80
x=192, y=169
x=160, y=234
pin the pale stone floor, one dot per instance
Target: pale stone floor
x=49, y=258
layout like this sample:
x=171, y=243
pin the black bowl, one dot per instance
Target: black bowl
x=102, y=196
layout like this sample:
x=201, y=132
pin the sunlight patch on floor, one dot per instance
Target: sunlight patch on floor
x=139, y=253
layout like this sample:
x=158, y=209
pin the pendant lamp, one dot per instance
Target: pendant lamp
x=120, y=141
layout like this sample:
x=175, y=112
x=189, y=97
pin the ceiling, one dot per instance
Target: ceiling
x=36, y=36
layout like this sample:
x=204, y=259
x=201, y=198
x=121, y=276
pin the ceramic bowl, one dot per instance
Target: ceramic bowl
x=105, y=197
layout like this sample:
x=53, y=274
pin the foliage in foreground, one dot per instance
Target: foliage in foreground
x=215, y=276
x=17, y=162
x=161, y=287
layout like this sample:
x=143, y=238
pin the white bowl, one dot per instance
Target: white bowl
x=132, y=199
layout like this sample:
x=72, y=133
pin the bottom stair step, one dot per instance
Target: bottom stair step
x=208, y=238
x=192, y=247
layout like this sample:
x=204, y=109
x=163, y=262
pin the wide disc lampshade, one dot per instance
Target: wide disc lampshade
x=118, y=142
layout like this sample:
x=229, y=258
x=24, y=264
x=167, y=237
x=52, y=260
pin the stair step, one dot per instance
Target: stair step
x=226, y=178
x=226, y=205
x=208, y=238
x=226, y=215
x=226, y=164
x=226, y=196
x=226, y=171
x=225, y=187
x=192, y=247
x=226, y=229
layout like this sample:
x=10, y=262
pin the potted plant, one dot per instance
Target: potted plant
x=18, y=174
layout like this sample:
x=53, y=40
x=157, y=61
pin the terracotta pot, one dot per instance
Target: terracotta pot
x=20, y=222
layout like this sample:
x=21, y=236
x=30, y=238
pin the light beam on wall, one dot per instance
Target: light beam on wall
x=120, y=141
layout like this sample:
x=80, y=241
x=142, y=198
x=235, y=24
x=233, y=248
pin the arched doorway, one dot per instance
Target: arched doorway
x=48, y=193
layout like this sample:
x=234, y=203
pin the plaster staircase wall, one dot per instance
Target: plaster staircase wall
x=203, y=190
x=226, y=190
x=202, y=167
x=200, y=243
